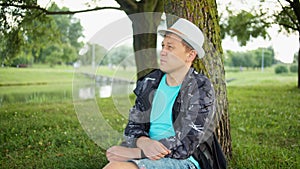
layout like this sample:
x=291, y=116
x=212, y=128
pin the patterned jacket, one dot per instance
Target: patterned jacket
x=192, y=111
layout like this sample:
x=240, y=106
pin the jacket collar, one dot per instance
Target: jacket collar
x=188, y=77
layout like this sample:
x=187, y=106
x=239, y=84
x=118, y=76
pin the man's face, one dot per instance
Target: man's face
x=173, y=55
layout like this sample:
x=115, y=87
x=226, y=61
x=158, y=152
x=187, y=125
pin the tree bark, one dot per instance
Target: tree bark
x=299, y=64
x=145, y=41
x=203, y=13
x=295, y=4
x=145, y=17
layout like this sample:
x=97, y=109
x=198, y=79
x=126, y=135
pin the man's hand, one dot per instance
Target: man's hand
x=120, y=153
x=152, y=149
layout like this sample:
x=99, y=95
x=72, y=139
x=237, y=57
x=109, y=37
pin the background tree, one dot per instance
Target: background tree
x=251, y=59
x=53, y=53
x=26, y=31
x=122, y=55
x=18, y=26
x=254, y=23
x=264, y=53
x=296, y=58
x=99, y=51
x=204, y=14
x=143, y=59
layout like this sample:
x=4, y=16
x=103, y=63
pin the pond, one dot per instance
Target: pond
x=100, y=87
x=90, y=89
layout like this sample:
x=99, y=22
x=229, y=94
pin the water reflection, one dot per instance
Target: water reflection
x=101, y=87
x=87, y=93
x=49, y=93
x=104, y=91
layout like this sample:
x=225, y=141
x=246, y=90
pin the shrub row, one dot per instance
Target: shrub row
x=284, y=69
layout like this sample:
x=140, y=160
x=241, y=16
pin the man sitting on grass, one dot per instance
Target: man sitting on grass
x=166, y=124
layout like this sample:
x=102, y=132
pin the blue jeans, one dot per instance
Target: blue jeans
x=164, y=163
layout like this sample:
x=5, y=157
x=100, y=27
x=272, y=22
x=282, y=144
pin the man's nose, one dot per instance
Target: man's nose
x=163, y=52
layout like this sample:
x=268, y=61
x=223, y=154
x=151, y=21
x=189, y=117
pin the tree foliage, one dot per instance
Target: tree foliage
x=287, y=19
x=254, y=22
x=244, y=26
x=251, y=59
x=280, y=69
x=28, y=33
x=122, y=56
x=87, y=52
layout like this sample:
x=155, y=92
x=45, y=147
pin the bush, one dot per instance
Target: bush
x=294, y=68
x=281, y=69
x=20, y=61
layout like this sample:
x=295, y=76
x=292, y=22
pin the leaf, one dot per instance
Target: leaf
x=242, y=129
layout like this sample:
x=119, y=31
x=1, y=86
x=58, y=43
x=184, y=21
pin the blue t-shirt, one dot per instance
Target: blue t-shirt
x=161, y=125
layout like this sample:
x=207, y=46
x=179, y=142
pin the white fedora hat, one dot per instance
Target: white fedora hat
x=189, y=33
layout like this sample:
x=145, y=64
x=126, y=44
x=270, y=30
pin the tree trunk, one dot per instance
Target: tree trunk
x=144, y=23
x=299, y=64
x=296, y=6
x=203, y=13
x=144, y=41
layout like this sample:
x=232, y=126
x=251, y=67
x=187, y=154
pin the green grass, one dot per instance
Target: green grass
x=265, y=116
x=45, y=136
x=44, y=131
x=265, y=126
x=35, y=76
x=119, y=72
x=35, y=93
x=259, y=78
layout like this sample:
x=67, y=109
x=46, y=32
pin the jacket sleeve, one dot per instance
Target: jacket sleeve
x=193, y=122
x=138, y=123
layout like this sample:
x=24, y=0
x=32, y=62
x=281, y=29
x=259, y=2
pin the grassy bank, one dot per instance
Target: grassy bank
x=35, y=76
x=259, y=78
x=264, y=114
x=46, y=133
x=35, y=84
x=265, y=126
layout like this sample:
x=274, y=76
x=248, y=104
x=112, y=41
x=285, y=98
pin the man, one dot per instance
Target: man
x=172, y=108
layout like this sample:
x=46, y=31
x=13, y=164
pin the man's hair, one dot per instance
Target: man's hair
x=187, y=46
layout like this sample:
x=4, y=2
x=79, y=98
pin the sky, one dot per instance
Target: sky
x=285, y=46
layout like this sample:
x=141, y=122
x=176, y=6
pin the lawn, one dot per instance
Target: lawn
x=267, y=77
x=265, y=126
x=36, y=76
x=46, y=133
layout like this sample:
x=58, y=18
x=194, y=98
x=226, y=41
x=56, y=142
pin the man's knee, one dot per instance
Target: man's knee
x=120, y=165
x=112, y=165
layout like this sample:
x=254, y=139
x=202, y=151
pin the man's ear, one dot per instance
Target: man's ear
x=192, y=55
